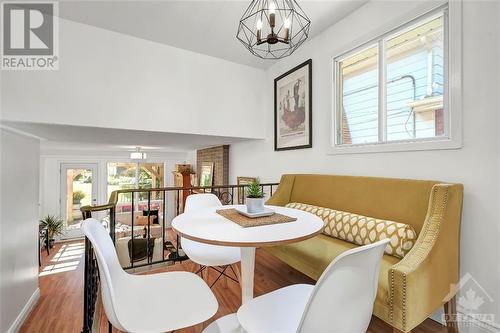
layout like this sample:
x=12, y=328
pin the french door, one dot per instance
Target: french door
x=78, y=188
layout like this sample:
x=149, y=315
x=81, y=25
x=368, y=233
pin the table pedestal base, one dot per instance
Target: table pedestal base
x=247, y=273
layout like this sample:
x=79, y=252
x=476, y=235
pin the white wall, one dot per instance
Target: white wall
x=18, y=227
x=107, y=79
x=476, y=165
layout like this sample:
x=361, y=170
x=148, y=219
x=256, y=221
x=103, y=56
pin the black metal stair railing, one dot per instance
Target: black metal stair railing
x=91, y=272
x=144, y=198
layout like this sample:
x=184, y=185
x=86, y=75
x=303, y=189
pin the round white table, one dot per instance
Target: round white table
x=208, y=227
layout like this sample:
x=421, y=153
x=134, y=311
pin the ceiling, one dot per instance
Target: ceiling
x=96, y=138
x=207, y=27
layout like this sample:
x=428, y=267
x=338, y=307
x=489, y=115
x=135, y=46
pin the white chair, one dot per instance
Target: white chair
x=207, y=255
x=341, y=301
x=147, y=303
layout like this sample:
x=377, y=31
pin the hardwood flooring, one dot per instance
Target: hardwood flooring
x=61, y=291
x=61, y=285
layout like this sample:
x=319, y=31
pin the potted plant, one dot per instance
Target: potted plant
x=77, y=199
x=255, y=198
x=54, y=225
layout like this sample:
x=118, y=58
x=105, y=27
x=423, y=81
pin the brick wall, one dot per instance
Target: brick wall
x=439, y=122
x=220, y=157
x=346, y=132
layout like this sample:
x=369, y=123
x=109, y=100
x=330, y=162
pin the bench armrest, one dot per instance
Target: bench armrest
x=421, y=282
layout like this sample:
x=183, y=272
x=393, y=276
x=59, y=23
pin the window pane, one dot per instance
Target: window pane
x=78, y=194
x=121, y=176
x=151, y=176
x=415, y=86
x=358, y=97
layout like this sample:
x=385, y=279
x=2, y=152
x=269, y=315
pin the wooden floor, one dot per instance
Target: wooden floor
x=61, y=285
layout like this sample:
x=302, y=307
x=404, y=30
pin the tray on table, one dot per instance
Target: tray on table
x=246, y=222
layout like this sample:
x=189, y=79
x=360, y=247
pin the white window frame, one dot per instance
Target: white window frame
x=452, y=98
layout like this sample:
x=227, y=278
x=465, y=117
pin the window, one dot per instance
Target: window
x=393, y=89
x=123, y=175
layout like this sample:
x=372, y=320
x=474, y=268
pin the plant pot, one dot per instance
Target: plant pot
x=255, y=205
x=76, y=206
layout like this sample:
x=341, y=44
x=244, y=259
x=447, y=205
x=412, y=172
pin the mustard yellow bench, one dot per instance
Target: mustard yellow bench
x=412, y=288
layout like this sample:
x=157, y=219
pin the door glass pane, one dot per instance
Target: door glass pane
x=415, y=86
x=358, y=97
x=78, y=194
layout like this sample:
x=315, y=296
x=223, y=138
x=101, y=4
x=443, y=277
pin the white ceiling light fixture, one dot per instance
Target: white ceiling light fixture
x=138, y=154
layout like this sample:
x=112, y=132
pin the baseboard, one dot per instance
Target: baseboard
x=16, y=325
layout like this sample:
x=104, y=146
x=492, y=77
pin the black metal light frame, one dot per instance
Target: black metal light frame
x=275, y=42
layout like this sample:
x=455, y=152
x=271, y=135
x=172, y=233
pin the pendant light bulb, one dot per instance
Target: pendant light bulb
x=259, y=24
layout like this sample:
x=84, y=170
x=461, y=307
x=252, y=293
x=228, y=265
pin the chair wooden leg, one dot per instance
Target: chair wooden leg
x=450, y=310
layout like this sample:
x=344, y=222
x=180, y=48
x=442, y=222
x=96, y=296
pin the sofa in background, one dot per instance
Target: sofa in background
x=123, y=252
x=412, y=288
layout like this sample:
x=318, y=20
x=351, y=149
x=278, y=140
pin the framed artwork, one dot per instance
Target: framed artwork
x=207, y=174
x=293, y=108
x=243, y=181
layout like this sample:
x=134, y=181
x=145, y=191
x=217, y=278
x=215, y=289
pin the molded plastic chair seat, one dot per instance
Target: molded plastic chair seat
x=277, y=311
x=210, y=255
x=341, y=301
x=164, y=302
x=147, y=303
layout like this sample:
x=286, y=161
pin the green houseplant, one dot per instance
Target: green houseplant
x=77, y=199
x=78, y=196
x=54, y=225
x=255, y=198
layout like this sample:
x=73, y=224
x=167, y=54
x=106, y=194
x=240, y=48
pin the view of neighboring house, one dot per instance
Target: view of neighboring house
x=414, y=85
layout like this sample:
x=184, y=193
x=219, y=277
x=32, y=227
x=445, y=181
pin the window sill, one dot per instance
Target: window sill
x=402, y=146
